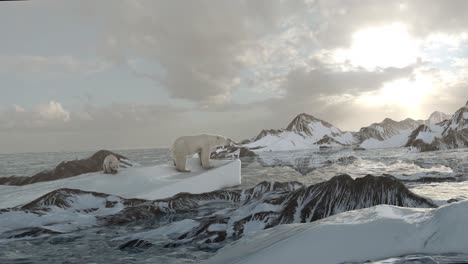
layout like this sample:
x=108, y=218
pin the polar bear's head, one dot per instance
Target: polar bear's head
x=111, y=164
x=114, y=165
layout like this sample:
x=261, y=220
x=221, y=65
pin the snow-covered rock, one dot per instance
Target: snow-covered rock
x=308, y=132
x=242, y=211
x=448, y=134
x=302, y=205
x=387, y=134
x=303, y=132
x=67, y=169
x=137, y=182
x=66, y=210
x=435, y=118
x=356, y=236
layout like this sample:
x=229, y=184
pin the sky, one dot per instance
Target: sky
x=88, y=75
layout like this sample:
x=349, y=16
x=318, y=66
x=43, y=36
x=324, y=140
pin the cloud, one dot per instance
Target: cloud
x=200, y=46
x=48, y=115
x=322, y=80
x=27, y=64
x=341, y=18
x=52, y=111
x=259, y=63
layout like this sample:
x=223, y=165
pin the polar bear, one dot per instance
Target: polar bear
x=202, y=144
x=110, y=164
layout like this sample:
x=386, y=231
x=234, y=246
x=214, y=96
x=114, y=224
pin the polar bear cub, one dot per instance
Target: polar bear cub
x=110, y=164
x=189, y=145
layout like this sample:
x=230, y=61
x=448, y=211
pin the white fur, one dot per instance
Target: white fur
x=189, y=145
x=110, y=164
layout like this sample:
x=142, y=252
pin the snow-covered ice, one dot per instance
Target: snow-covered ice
x=153, y=182
x=356, y=236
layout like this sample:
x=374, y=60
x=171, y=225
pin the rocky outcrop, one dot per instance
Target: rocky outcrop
x=67, y=169
x=267, y=132
x=302, y=124
x=35, y=232
x=329, y=141
x=303, y=132
x=240, y=211
x=136, y=244
x=436, y=118
x=387, y=129
x=232, y=152
x=307, y=204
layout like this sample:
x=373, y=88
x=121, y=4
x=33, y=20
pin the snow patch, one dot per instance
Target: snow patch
x=357, y=236
x=395, y=141
x=139, y=182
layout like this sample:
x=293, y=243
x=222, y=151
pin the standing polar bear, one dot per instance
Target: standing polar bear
x=189, y=145
x=110, y=164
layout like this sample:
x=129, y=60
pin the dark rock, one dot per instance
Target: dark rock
x=135, y=244
x=264, y=206
x=35, y=232
x=66, y=169
x=266, y=132
x=230, y=152
x=300, y=124
x=307, y=204
x=326, y=140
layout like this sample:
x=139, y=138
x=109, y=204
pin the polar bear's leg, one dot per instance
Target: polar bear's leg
x=205, y=158
x=181, y=163
x=200, y=157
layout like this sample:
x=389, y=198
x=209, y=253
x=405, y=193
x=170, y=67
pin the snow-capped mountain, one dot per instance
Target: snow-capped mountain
x=448, y=134
x=435, y=118
x=305, y=131
x=387, y=134
x=308, y=132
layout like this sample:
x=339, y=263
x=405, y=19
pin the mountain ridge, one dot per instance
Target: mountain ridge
x=306, y=131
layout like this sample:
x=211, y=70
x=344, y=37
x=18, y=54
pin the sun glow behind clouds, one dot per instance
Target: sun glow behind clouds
x=404, y=93
x=385, y=46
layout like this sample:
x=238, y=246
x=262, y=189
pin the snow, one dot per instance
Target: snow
x=319, y=130
x=356, y=236
x=171, y=230
x=58, y=219
x=284, y=141
x=345, y=138
x=292, y=140
x=434, y=132
x=395, y=141
x=137, y=182
x=287, y=141
x=465, y=115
